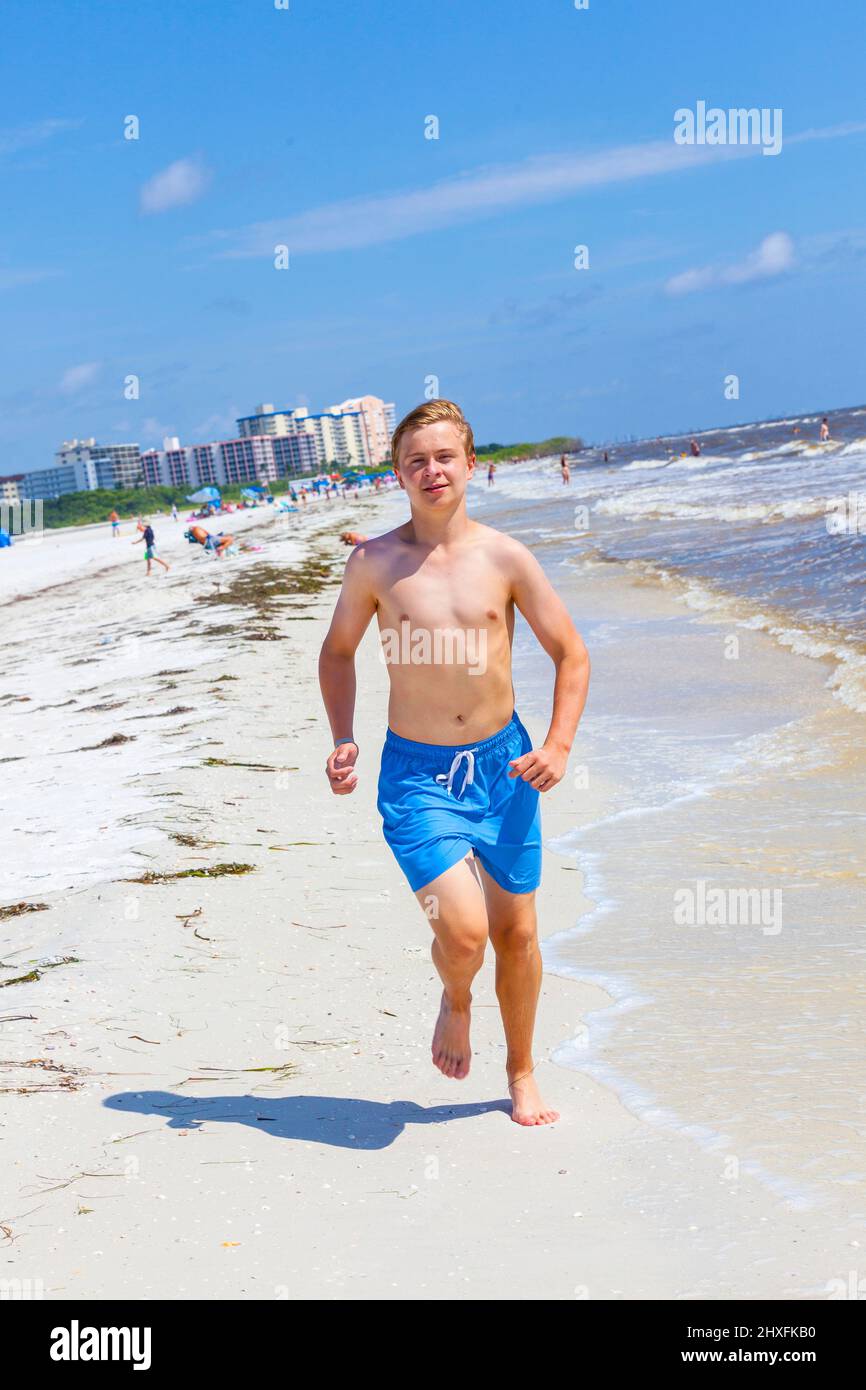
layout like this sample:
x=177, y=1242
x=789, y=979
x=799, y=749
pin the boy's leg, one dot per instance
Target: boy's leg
x=514, y=937
x=454, y=905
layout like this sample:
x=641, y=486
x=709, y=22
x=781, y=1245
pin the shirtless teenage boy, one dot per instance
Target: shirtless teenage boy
x=459, y=773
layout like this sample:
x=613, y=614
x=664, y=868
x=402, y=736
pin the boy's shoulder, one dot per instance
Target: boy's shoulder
x=378, y=547
x=499, y=543
x=371, y=555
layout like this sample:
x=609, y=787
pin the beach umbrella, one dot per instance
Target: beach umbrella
x=204, y=494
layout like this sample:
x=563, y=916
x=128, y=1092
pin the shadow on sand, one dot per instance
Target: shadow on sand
x=338, y=1120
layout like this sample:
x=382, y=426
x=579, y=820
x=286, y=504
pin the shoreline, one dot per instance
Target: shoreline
x=244, y=1062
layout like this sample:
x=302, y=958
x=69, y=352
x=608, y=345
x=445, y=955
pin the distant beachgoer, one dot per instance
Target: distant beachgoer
x=115, y=525
x=564, y=469
x=605, y=455
x=825, y=429
x=353, y=538
x=491, y=474
x=174, y=511
x=695, y=448
x=150, y=548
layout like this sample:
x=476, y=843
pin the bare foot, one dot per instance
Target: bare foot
x=527, y=1107
x=451, y=1050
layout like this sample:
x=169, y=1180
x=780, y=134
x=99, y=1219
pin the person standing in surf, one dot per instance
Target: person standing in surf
x=460, y=782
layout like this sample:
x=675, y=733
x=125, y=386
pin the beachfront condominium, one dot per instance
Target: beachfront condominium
x=353, y=434
x=82, y=465
x=377, y=424
x=9, y=488
x=256, y=459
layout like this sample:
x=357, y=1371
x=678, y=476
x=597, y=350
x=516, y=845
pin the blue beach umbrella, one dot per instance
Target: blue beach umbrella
x=204, y=494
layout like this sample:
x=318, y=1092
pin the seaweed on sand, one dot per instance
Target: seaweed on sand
x=63, y=1077
x=215, y=871
x=255, y=767
x=36, y=973
x=266, y=587
x=112, y=742
x=16, y=909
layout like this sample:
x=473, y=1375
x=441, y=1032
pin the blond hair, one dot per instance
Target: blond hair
x=429, y=414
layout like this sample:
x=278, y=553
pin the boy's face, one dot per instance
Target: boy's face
x=434, y=467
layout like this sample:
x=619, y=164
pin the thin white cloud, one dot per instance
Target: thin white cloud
x=371, y=221
x=220, y=425
x=24, y=137
x=774, y=256
x=181, y=183
x=11, y=279
x=154, y=429
x=74, y=379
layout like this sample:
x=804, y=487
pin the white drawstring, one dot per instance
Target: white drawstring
x=469, y=774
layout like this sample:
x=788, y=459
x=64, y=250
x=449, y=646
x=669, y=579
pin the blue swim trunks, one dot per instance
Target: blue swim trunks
x=439, y=801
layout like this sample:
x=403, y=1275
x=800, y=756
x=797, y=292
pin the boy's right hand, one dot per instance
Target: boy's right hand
x=340, y=768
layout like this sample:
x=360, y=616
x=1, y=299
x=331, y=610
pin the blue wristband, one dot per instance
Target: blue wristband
x=338, y=741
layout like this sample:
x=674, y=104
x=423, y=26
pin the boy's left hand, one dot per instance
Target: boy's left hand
x=541, y=767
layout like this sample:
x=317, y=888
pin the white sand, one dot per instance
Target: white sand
x=160, y=1161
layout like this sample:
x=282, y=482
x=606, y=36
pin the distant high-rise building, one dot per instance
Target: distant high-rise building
x=82, y=465
x=101, y=465
x=9, y=487
x=53, y=482
x=255, y=459
x=375, y=416
x=354, y=434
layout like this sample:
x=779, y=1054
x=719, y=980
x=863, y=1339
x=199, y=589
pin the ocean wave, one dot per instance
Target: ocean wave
x=645, y=463
x=646, y=505
x=817, y=641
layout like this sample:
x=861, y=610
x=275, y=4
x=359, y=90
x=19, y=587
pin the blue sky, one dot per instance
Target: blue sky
x=409, y=257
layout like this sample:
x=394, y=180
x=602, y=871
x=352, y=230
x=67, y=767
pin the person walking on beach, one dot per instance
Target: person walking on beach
x=115, y=525
x=174, y=511
x=695, y=448
x=825, y=430
x=491, y=474
x=460, y=782
x=150, y=548
x=564, y=469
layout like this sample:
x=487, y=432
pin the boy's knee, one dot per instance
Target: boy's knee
x=462, y=946
x=519, y=937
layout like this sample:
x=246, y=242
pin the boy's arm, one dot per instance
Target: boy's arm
x=355, y=607
x=549, y=619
